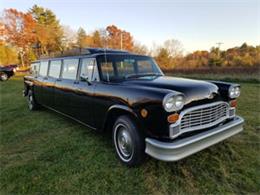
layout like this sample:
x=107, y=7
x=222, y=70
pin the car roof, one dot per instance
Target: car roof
x=85, y=52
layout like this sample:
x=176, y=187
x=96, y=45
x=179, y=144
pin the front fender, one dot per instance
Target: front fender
x=224, y=88
x=121, y=107
x=114, y=112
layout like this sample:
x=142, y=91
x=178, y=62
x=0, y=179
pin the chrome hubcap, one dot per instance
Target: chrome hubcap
x=30, y=100
x=124, y=142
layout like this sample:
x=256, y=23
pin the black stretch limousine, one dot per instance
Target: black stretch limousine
x=165, y=117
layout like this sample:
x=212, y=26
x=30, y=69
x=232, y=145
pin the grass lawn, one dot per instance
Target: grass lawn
x=45, y=152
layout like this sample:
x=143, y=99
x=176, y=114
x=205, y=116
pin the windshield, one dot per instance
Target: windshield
x=121, y=67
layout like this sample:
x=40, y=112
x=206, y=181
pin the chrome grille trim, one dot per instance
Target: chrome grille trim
x=200, y=117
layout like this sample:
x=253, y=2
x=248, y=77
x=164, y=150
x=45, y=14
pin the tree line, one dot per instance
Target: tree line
x=26, y=36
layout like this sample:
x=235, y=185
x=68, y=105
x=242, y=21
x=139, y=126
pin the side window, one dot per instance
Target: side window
x=43, y=68
x=70, y=67
x=89, y=70
x=55, y=67
x=35, y=67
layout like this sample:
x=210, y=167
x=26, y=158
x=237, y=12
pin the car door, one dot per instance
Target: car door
x=48, y=88
x=64, y=87
x=83, y=98
x=39, y=84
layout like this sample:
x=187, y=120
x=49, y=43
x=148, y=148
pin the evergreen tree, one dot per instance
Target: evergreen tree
x=48, y=30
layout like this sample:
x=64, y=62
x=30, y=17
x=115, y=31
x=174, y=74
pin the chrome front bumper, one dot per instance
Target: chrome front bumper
x=179, y=149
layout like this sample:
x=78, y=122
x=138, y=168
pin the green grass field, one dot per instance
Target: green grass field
x=44, y=152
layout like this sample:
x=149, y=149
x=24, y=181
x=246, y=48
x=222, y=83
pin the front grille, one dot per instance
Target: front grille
x=204, y=116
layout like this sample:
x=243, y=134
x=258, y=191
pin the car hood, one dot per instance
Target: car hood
x=193, y=90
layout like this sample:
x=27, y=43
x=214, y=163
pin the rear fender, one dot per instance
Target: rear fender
x=27, y=86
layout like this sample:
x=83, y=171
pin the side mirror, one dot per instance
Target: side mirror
x=85, y=78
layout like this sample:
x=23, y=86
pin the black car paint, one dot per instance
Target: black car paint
x=92, y=104
x=193, y=90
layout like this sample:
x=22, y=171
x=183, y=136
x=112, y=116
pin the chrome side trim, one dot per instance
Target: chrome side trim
x=173, y=127
x=30, y=83
x=179, y=149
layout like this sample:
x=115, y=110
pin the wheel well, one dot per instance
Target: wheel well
x=27, y=89
x=3, y=72
x=113, y=115
x=8, y=73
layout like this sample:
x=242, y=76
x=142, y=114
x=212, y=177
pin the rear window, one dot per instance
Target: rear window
x=35, y=67
x=55, y=67
x=43, y=68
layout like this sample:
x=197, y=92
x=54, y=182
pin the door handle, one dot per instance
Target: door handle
x=76, y=82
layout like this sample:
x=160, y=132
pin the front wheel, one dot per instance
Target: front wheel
x=128, y=141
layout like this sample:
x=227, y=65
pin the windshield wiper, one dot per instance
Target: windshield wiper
x=141, y=75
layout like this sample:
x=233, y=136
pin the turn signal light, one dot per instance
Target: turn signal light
x=144, y=113
x=233, y=103
x=173, y=118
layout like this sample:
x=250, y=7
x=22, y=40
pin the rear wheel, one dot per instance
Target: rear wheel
x=128, y=141
x=31, y=101
x=3, y=76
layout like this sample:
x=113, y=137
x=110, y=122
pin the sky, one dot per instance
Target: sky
x=197, y=24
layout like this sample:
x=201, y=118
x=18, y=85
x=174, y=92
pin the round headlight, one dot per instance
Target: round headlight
x=237, y=91
x=173, y=102
x=234, y=92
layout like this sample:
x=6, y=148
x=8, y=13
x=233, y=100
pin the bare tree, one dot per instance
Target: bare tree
x=174, y=47
x=69, y=37
x=140, y=48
